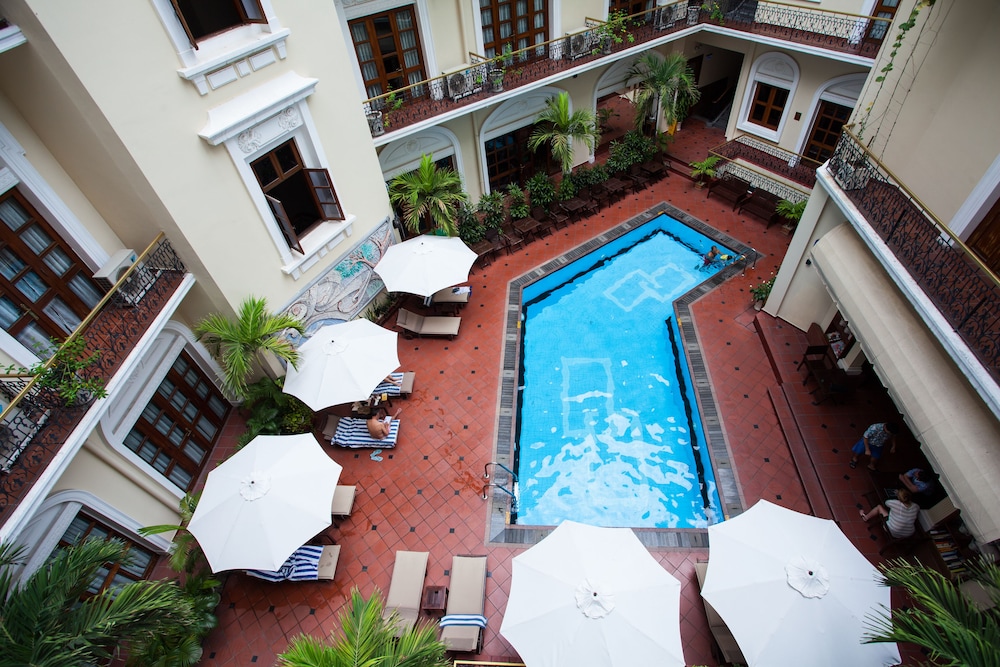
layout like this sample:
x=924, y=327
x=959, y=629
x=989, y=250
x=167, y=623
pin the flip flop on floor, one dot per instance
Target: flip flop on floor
x=853, y=464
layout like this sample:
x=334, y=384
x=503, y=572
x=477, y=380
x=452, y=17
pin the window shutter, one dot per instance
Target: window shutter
x=278, y=210
x=184, y=24
x=252, y=11
x=323, y=192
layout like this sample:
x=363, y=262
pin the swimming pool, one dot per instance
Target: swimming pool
x=607, y=430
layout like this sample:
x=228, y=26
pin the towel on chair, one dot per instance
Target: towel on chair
x=477, y=620
x=390, y=388
x=353, y=432
x=302, y=565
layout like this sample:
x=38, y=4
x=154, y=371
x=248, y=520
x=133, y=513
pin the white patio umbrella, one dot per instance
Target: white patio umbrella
x=593, y=596
x=425, y=264
x=793, y=590
x=264, y=502
x=341, y=363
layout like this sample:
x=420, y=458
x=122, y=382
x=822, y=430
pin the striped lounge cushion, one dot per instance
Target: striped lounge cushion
x=302, y=565
x=390, y=388
x=477, y=620
x=353, y=432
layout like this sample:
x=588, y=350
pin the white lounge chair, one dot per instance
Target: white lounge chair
x=411, y=323
x=405, y=589
x=343, y=501
x=463, y=621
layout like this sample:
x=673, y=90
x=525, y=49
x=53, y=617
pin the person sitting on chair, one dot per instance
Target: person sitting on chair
x=379, y=423
x=917, y=481
x=900, y=514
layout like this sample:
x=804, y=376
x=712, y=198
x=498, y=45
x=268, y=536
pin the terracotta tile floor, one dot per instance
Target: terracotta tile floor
x=425, y=494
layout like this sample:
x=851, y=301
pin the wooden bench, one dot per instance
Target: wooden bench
x=730, y=188
x=762, y=204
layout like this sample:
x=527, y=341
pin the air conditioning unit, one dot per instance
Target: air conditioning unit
x=115, y=268
x=579, y=44
x=458, y=85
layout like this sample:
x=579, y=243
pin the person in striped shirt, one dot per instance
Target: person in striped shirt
x=900, y=514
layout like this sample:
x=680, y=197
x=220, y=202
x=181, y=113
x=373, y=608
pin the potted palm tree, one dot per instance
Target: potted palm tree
x=791, y=211
x=428, y=198
x=253, y=340
x=664, y=87
x=704, y=171
x=556, y=127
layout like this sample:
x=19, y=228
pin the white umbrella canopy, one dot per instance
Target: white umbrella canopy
x=264, y=502
x=794, y=590
x=341, y=363
x=425, y=264
x=593, y=596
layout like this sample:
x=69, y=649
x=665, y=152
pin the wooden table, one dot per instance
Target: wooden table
x=615, y=186
x=435, y=600
x=572, y=207
x=654, y=170
x=483, y=249
x=527, y=227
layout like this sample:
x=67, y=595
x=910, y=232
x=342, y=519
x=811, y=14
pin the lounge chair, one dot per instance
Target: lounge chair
x=411, y=323
x=343, y=501
x=307, y=563
x=405, y=589
x=392, y=390
x=724, y=639
x=458, y=296
x=353, y=432
x=463, y=621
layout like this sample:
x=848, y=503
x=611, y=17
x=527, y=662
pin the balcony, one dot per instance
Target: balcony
x=36, y=422
x=481, y=79
x=960, y=286
x=792, y=166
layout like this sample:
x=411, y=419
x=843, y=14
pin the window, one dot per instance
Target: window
x=519, y=23
x=825, y=133
x=388, y=49
x=180, y=424
x=45, y=288
x=204, y=18
x=770, y=88
x=884, y=9
x=630, y=7
x=112, y=575
x=299, y=198
x=768, y=105
x=508, y=159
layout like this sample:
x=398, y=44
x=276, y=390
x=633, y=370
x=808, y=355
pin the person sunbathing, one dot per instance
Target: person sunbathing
x=379, y=425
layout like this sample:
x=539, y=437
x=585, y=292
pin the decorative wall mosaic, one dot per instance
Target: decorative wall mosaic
x=344, y=291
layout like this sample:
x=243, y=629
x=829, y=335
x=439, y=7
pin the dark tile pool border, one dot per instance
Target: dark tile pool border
x=500, y=531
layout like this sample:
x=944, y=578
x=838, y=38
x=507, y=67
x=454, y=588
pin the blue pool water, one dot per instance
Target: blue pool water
x=608, y=430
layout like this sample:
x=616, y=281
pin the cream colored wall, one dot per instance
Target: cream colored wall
x=115, y=481
x=574, y=14
x=141, y=161
x=454, y=30
x=799, y=296
x=939, y=132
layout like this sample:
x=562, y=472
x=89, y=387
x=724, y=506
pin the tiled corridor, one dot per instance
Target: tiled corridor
x=425, y=494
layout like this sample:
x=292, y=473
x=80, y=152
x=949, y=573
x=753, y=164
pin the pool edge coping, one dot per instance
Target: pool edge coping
x=500, y=531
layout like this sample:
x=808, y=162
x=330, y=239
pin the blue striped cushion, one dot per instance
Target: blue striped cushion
x=477, y=620
x=390, y=388
x=353, y=432
x=302, y=565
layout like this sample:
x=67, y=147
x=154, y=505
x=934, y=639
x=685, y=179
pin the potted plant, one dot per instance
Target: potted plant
x=791, y=211
x=541, y=189
x=715, y=12
x=704, y=171
x=393, y=102
x=518, y=202
x=496, y=75
x=558, y=128
x=613, y=31
x=492, y=208
x=761, y=291
x=428, y=197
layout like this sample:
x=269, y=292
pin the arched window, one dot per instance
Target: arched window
x=769, y=92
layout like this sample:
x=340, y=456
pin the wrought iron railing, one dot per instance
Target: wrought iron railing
x=963, y=289
x=794, y=167
x=759, y=179
x=482, y=77
x=37, y=420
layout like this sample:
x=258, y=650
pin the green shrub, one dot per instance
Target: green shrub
x=567, y=189
x=470, y=228
x=518, y=202
x=542, y=192
x=633, y=148
x=491, y=207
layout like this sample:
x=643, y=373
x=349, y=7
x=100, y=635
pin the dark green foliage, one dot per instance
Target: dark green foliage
x=518, y=202
x=470, y=228
x=273, y=412
x=633, y=148
x=542, y=191
x=492, y=208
